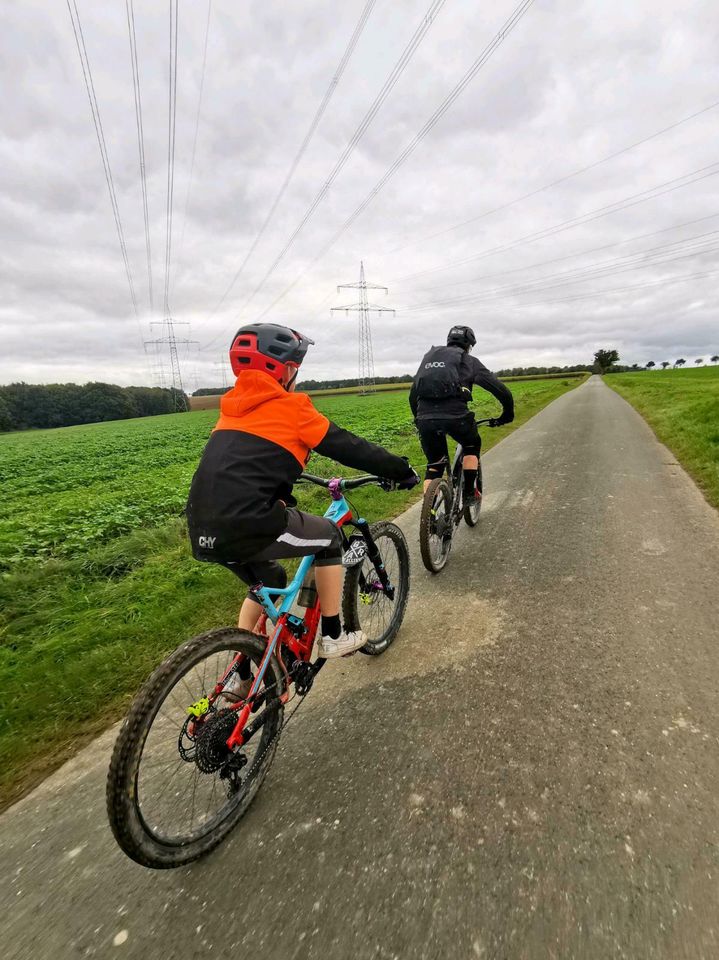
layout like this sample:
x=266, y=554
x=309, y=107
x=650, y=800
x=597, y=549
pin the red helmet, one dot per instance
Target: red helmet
x=268, y=347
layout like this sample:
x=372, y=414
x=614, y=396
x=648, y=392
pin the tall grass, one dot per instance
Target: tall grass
x=682, y=407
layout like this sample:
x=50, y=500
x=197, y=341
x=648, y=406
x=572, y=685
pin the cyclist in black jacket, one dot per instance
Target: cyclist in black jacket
x=441, y=391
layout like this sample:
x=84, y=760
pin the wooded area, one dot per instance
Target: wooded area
x=25, y=406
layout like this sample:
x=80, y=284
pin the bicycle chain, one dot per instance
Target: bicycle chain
x=259, y=760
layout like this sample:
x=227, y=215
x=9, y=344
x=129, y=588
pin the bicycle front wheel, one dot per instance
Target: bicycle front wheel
x=366, y=605
x=436, y=525
x=174, y=790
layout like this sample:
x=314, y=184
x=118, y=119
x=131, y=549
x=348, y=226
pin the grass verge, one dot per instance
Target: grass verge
x=682, y=408
x=80, y=630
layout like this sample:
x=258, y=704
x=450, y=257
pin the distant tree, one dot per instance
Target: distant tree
x=665, y=364
x=680, y=362
x=6, y=419
x=699, y=360
x=635, y=366
x=651, y=364
x=715, y=358
x=604, y=359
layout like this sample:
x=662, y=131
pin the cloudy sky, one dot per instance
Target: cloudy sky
x=472, y=227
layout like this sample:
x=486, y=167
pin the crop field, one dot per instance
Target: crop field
x=682, y=407
x=96, y=580
x=212, y=401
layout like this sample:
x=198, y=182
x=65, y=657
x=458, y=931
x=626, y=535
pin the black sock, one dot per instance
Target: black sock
x=245, y=668
x=331, y=626
x=470, y=480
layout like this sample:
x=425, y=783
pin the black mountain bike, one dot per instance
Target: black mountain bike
x=443, y=508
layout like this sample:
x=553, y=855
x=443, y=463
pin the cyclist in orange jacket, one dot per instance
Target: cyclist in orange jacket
x=241, y=508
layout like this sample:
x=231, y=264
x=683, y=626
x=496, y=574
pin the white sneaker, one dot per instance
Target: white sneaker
x=233, y=691
x=330, y=647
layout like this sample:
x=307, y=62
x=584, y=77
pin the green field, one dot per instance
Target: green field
x=682, y=407
x=96, y=580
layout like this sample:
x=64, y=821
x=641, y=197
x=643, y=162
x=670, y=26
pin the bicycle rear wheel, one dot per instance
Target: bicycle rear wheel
x=436, y=526
x=471, y=511
x=365, y=603
x=174, y=790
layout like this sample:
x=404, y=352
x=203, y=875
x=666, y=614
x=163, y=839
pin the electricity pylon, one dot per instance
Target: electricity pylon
x=221, y=372
x=364, y=308
x=169, y=340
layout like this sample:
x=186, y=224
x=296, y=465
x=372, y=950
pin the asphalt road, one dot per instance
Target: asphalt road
x=530, y=771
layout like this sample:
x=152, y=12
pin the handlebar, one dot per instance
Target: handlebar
x=350, y=483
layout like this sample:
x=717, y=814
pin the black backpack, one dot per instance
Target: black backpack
x=438, y=374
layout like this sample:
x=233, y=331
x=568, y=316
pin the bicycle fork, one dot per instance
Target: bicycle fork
x=375, y=556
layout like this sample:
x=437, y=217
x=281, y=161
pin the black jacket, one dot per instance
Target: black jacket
x=471, y=372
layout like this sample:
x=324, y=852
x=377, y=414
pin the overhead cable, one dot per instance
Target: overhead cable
x=504, y=31
x=563, y=179
x=573, y=255
x=349, y=50
x=639, y=286
x=140, y=139
x=651, y=193
x=639, y=260
x=97, y=122
x=387, y=87
x=197, y=127
x=171, y=118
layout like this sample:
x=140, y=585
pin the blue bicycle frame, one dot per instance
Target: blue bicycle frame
x=336, y=511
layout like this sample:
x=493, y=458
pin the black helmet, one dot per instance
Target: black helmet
x=461, y=337
x=268, y=347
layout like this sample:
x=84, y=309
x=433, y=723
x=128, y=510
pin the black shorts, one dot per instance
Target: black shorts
x=433, y=437
x=305, y=535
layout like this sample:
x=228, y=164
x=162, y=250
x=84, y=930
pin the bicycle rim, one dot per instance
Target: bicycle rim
x=174, y=790
x=366, y=605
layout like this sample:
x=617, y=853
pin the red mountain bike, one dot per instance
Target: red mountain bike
x=191, y=756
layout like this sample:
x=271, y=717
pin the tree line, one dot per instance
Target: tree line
x=607, y=361
x=25, y=406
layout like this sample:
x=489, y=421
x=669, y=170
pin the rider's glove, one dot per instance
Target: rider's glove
x=499, y=421
x=411, y=480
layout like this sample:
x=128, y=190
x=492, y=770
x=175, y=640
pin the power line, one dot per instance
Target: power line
x=640, y=286
x=496, y=41
x=197, y=126
x=653, y=256
x=97, y=122
x=563, y=179
x=379, y=100
x=140, y=139
x=349, y=50
x=171, y=117
x=577, y=253
x=694, y=176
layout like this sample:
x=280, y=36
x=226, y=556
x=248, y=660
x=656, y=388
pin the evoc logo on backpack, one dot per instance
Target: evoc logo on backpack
x=438, y=376
x=207, y=543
